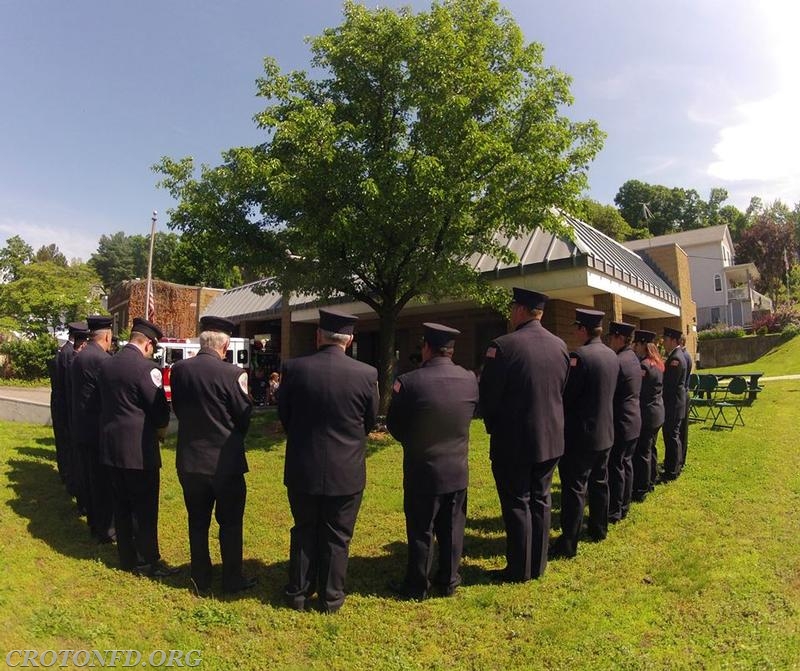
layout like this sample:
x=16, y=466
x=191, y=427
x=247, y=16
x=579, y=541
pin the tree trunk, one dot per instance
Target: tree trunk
x=386, y=357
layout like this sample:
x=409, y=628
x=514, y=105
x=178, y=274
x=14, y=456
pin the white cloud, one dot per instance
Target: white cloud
x=72, y=242
x=762, y=145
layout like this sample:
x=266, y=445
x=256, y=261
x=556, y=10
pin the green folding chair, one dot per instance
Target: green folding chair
x=702, y=401
x=732, y=402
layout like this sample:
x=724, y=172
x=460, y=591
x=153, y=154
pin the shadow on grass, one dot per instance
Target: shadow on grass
x=46, y=441
x=41, y=499
x=266, y=432
x=38, y=453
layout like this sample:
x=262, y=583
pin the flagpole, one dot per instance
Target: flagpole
x=149, y=298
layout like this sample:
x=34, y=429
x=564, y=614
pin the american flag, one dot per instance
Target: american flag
x=151, y=307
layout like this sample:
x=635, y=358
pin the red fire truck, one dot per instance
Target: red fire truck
x=171, y=350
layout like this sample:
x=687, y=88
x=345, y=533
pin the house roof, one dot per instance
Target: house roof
x=698, y=236
x=538, y=251
x=249, y=301
x=541, y=250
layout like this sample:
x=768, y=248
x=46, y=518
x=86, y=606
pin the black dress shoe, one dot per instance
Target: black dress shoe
x=158, y=569
x=403, y=591
x=501, y=575
x=241, y=586
x=557, y=551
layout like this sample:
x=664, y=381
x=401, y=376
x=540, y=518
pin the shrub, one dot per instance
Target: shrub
x=790, y=331
x=29, y=358
x=721, y=331
x=775, y=322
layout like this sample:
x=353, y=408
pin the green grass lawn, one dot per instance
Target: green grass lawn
x=782, y=360
x=705, y=574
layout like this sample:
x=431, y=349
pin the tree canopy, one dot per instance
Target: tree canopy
x=663, y=210
x=45, y=295
x=769, y=241
x=13, y=256
x=186, y=259
x=420, y=137
x=608, y=220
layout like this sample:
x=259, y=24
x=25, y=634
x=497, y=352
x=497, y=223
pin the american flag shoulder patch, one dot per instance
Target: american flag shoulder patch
x=396, y=386
x=491, y=353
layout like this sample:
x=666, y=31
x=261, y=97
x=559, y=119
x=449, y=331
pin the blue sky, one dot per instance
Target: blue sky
x=692, y=93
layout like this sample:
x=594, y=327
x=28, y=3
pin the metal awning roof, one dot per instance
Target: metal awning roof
x=538, y=251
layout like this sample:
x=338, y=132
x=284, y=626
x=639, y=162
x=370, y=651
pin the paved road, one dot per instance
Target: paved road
x=35, y=394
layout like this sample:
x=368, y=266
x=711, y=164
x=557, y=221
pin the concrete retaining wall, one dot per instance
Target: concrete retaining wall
x=719, y=352
x=17, y=410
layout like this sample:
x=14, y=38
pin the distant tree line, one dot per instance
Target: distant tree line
x=767, y=235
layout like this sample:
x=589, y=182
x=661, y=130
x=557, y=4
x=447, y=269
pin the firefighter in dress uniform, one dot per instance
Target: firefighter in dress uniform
x=627, y=421
x=430, y=414
x=674, y=403
x=521, y=399
x=589, y=435
x=211, y=401
x=134, y=413
x=92, y=480
x=327, y=403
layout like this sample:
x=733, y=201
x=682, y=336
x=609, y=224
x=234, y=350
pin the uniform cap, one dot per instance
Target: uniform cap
x=644, y=336
x=336, y=322
x=74, y=327
x=530, y=299
x=621, y=328
x=98, y=322
x=589, y=319
x=672, y=333
x=211, y=323
x=146, y=328
x=439, y=335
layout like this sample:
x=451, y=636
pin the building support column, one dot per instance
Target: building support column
x=611, y=304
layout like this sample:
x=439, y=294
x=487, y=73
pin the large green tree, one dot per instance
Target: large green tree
x=186, y=259
x=768, y=241
x=45, y=295
x=13, y=256
x=664, y=210
x=608, y=220
x=414, y=141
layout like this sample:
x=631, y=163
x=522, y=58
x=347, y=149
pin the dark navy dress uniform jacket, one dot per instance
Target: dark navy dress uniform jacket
x=327, y=403
x=521, y=395
x=134, y=407
x=430, y=414
x=213, y=410
x=589, y=398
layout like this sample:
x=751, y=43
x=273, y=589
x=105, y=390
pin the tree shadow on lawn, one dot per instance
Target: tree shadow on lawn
x=366, y=576
x=37, y=453
x=51, y=514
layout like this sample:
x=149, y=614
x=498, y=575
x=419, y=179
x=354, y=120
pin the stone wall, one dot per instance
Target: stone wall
x=718, y=352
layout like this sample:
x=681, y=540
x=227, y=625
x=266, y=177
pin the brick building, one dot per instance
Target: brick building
x=178, y=307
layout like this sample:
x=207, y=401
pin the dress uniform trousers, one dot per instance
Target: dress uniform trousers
x=644, y=463
x=684, y=433
x=97, y=492
x=444, y=515
x=673, y=449
x=580, y=471
x=323, y=527
x=225, y=496
x=525, y=502
x=620, y=478
x=136, y=515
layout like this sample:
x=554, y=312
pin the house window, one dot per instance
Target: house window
x=717, y=283
x=715, y=315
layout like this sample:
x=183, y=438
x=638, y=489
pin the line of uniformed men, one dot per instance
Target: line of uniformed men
x=543, y=407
